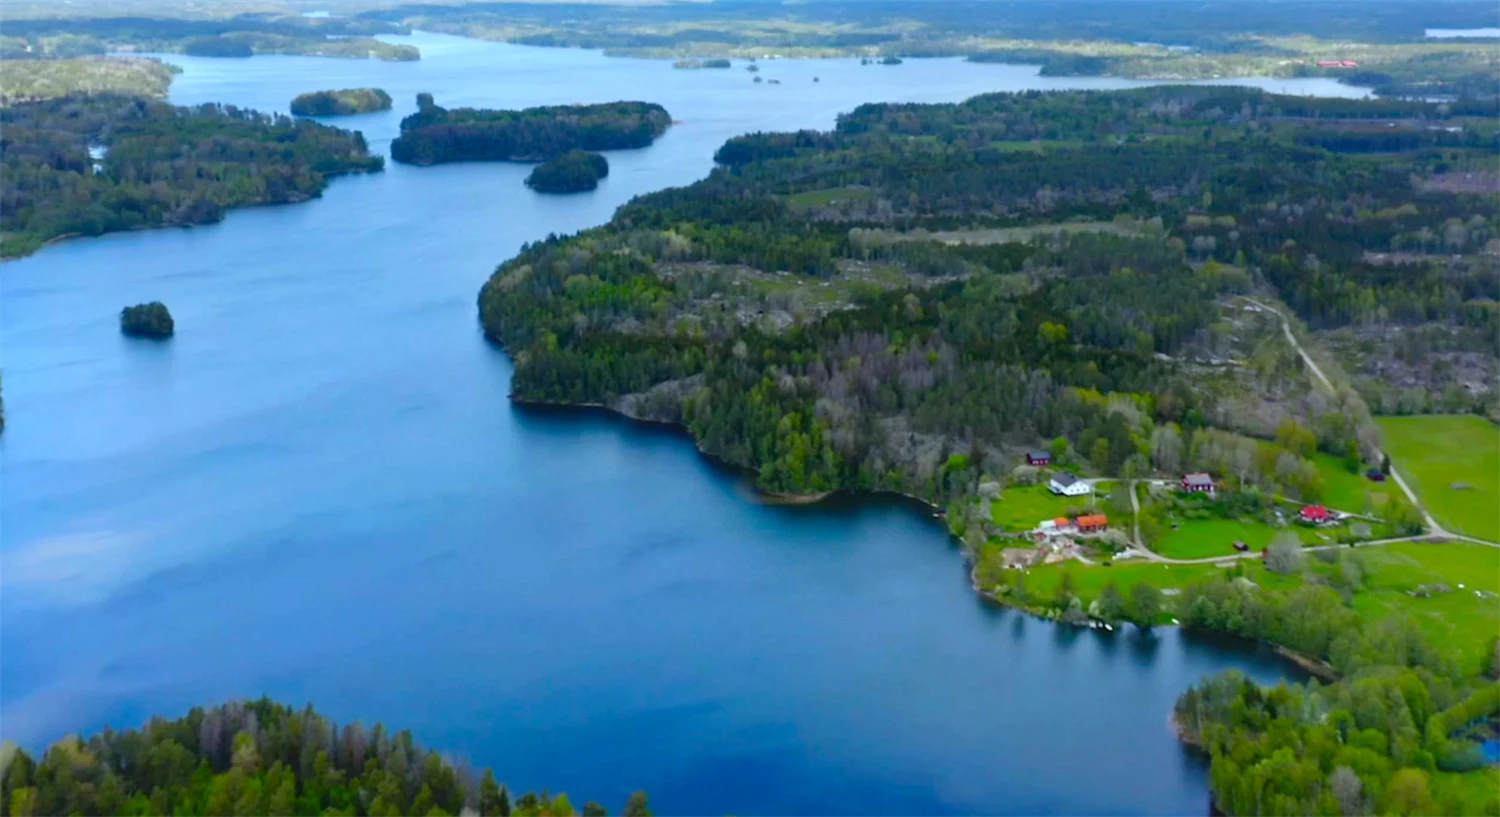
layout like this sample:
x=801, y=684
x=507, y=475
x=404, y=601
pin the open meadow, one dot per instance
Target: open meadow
x=1452, y=461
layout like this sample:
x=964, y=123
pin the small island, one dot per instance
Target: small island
x=690, y=63
x=573, y=172
x=147, y=320
x=344, y=102
x=890, y=61
x=434, y=134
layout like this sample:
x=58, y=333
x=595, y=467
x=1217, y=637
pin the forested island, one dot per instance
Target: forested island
x=87, y=165
x=341, y=103
x=203, y=33
x=150, y=320
x=434, y=134
x=572, y=172
x=970, y=303
x=263, y=758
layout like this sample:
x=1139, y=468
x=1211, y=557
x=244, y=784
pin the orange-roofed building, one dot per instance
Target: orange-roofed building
x=1092, y=523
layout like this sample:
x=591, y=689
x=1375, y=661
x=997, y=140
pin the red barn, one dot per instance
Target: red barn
x=1038, y=458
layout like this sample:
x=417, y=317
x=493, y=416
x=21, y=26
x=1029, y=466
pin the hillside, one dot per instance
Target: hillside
x=854, y=309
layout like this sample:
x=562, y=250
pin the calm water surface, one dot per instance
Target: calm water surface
x=318, y=491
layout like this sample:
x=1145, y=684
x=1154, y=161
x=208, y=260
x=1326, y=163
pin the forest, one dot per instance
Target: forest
x=435, y=134
x=918, y=349
x=92, y=164
x=264, y=758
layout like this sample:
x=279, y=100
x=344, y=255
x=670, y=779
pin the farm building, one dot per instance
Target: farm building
x=1316, y=514
x=1092, y=523
x=1038, y=458
x=1067, y=484
x=1199, y=483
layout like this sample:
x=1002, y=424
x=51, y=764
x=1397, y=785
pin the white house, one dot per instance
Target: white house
x=1064, y=483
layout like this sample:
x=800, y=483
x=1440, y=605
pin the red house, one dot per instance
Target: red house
x=1092, y=523
x=1038, y=458
x=1317, y=514
x=1198, y=483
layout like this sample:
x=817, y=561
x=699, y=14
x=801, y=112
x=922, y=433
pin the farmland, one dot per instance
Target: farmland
x=1453, y=463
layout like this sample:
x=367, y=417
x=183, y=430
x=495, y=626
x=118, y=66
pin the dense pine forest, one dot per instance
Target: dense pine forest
x=87, y=165
x=263, y=758
x=435, y=134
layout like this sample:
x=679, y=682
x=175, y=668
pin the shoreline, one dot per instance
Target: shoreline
x=1308, y=664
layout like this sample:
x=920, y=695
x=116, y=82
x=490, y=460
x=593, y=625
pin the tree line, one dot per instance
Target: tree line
x=264, y=758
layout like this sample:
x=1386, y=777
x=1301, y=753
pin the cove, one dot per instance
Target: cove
x=319, y=491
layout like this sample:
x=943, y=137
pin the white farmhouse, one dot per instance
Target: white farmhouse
x=1064, y=483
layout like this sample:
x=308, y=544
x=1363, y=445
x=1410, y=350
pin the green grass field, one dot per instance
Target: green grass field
x=1343, y=490
x=1460, y=620
x=1201, y=538
x=823, y=198
x=1042, y=581
x=1435, y=452
x=1021, y=508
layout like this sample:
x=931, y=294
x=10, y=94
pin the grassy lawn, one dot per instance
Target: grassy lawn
x=1343, y=490
x=1200, y=538
x=1458, y=620
x=1042, y=581
x=1022, y=507
x=1435, y=452
x=823, y=198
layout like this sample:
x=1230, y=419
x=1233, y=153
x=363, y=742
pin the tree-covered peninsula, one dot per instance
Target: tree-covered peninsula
x=991, y=304
x=263, y=758
x=341, y=103
x=572, y=172
x=434, y=134
x=86, y=165
x=33, y=79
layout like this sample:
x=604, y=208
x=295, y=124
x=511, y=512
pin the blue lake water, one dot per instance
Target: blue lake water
x=318, y=491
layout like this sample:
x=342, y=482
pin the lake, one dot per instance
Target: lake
x=319, y=491
x=1462, y=33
